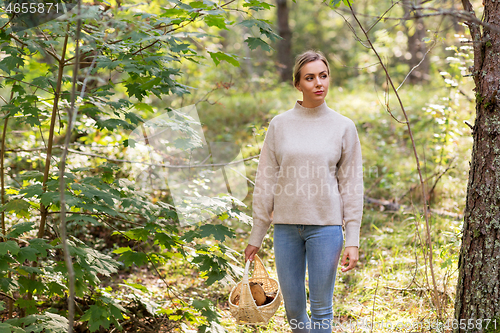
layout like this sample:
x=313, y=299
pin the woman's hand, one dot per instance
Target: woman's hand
x=250, y=252
x=350, y=252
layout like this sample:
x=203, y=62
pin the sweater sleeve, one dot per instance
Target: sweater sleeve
x=263, y=194
x=350, y=180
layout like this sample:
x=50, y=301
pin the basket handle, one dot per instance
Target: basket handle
x=245, y=274
x=246, y=299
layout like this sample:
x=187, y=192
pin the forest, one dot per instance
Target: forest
x=131, y=135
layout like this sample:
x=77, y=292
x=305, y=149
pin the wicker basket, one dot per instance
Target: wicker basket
x=247, y=312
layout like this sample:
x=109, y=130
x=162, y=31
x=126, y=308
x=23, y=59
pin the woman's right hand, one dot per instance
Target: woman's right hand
x=250, y=252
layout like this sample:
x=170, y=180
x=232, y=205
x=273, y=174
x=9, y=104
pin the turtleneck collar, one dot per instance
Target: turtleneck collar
x=315, y=112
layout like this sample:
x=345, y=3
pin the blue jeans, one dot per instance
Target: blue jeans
x=319, y=247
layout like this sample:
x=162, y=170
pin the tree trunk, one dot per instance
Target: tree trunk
x=285, y=59
x=416, y=46
x=478, y=287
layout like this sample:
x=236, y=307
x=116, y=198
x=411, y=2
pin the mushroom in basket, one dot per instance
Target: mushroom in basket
x=259, y=296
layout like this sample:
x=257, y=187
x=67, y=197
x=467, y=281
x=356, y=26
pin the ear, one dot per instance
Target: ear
x=298, y=87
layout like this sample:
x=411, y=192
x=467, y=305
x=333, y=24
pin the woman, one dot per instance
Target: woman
x=309, y=180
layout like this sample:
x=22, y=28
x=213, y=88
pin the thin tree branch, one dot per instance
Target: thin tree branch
x=2, y=192
x=181, y=166
x=21, y=81
x=107, y=215
x=410, y=132
x=382, y=16
x=72, y=115
x=419, y=63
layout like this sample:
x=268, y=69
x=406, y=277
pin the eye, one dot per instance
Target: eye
x=323, y=76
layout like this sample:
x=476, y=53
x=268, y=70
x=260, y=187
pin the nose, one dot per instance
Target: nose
x=318, y=81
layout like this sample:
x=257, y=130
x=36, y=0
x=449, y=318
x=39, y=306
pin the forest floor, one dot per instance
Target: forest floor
x=389, y=286
x=388, y=289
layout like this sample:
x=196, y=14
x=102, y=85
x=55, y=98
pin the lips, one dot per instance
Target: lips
x=319, y=92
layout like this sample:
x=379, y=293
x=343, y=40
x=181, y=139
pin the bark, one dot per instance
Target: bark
x=416, y=45
x=478, y=286
x=285, y=59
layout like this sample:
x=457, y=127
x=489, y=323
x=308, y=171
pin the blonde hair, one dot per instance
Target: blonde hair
x=303, y=59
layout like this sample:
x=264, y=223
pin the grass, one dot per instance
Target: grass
x=389, y=283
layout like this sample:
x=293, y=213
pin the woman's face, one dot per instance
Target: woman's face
x=314, y=82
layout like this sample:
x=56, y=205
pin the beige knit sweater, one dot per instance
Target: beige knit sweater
x=310, y=172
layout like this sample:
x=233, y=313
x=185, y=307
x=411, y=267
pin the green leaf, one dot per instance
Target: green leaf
x=30, y=306
x=25, y=270
x=19, y=206
x=27, y=285
x=113, y=123
x=50, y=323
x=32, y=190
x=129, y=143
x=216, y=21
x=55, y=288
x=217, y=57
x=24, y=321
x=133, y=89
x=207, y=309
x=254, y=42
x=51, y=198
x=143, y=107
x=134, y=118
x=8, y=285
x=9, y=246
x=151, y=83
x=32, y=174
x=165, y=240
x=139, y=234
x=122, y=250
x=140, y=287
x=46, y=323
x=97, y=316
x=190, y=236
x=7, y=328
x=92, y=260
x=27, y=253
x=19, y=229
x=11, y=109
x=20, y=90
x=44, y=82
x=211, y=266
x=219, y=231
x=129, y=257
x=336, y=3
x=83, y=218
x=91, y=193
x=42, y=245
x=257, y=5
x=10, y=63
